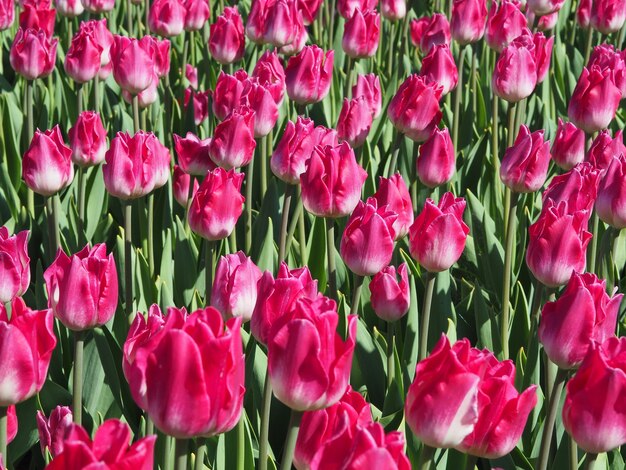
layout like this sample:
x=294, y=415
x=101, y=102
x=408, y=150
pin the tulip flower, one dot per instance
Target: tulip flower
x=111, y=448
x=234, y=291
x=332, y=181
x=298, y=42
x=217, y=204
x=283, y=23
x=146, y=97
x=88, y=140
x=180, y=186
x=568, y=149
x=557, y=244
x=368, y=87
x=38, y=17
x=82, y=61
x=545, y=7
x=390, y=298
x=439, y=67
x=611, y=202
x=429, y=31
x=437, y=237
x=255, y=23
x=161, y=55
x=465, y=398
x=82, y=289
x=607, y=16
x=467, y=23
x=583, y=13
x=361, y=34
x=308, y=335
x=133, y=63
x=605, y=56
x=543, y=53
x=504, y=23
x=515, y=74
x=309, y=10
x=199, y=101
x=14, y=264
x=233, y=141
x=525, y=164
x=308, y=75
x=228, y=92
x=586, y=110
x=97, y=29
x=197, y=14
x=52, y=430
x=166, y=17
x=227, y=41
x=355, y=121
x=548, y=22
x=437, y=159
x=193, y=154
x=201, y=395
x=346, y=8
x=98, y=6
x=414, y=110
x=604, y=148
x=578, y=187
x=27, y=344
x=69, y=8
x=7, y=14
x=260, y=100
x=33, y=54
x=393, y=10
x=191, y=74
x=47, y=164
x=270, y=73
x=589, y=313
x=393, y=192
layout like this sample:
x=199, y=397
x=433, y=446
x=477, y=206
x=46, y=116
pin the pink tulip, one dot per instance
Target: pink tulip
x=414, y=110
x=191, y=74
x=133, y=63
x=196, y=15
x=166, y=17
x=234, y=291
x=332, y=181
x=390, y=298
x=584, y=313
x=548, y=22
x=437, y=237
x=199, y=102
x=193, y=154
x=543, y=53
x=53, y=429
x=354, y=122
x=557, y=244
x=308, y=361
x=578, y=187
x=161, y=55
x=33, y=54
x=611, y=202
x=309, y=10
x=82, y=289
x=88, y=140
x=605, y=56
x=583, y=13
x=255, y=23
x=346, y=8
x=27, y=344
x=180, y=186
x=515, y=74
x=429, y=31
x=228, y=92
x=283, y=23
x=98, y=6
x=604, y=148
x=525, y=165
x=97, y=29
x=260, y=100
x=309, y=75
x=7, y=14
x=233, y=141
x=146, y=97
x=437, y=159
x=568, y=149
x=393, y=192
x=82, y=61
x=14, y=264
x=217, y=205
x=439, y=67
x=467, y=24
x=270, y=73
x=368, y=87
x=608, y=16
x=297, y=44
x=47, y=164
x=393, y=10
x=545, y=7
x=504, y=23
x=227, y=41
x=361, y=34
x=38, y=18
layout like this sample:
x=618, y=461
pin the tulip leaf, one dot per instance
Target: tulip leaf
x=316, y=247
x=371, y=363
x=185, y=265
x=266, y=257
x=411, y=335
x=97, y=395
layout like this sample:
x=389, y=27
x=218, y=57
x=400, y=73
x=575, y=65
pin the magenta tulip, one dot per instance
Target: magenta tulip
x=568, y=149
x=390, y=297
x=355, y=121
x=361, y=34
x=438, y=66
x=515, y=74
x=88, y=140
x=429, y=31
x=504, y=23
x=14, y=264
x=193, y=154
x=525, y=165
x=52, y=430
x=604, y=148
x=467, y=24
x=308, y=75
x=578, y=187
x=437, y=159
x=33, y=54
x=233, y=141
x=368, y=87
x=607, y=16
x=166, y=17
x=227, y=41
x=611, y=202
x=393, y=192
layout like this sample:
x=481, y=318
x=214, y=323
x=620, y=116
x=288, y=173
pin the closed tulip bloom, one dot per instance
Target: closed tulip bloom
x=98, y=6
x=260, y=100
x=270, y=73
x=545, y=7
x=111, y=448
x=161, y=56
x=283, y=23
x=548, y=22
x=33, y=54
x=88, y=139
x=595, y=100
x=515, y=74
x=578, y=187
x=233, y=141
x=354, y=122
x=390, y=297
x=7, y=14
x=393, y=192
x=437, y=159
x=335, y=423
x=227, y=42
x=583, y=13
x=584, y=313
x=82, y=61
x=27, y=344
x=368, y=240
x=467, y=24
x=255, y=23
x=295, y=147
x=47, y=164
x=180, y=186
x=437, y=237
x=309, y=10
x=38, y=18
x=309, y=75
x=504, y=23
x=69, y=8
x=543, y=53
x=361, y=34
x=166, y=17
x=52, y=429
x=133, y=63
x=196, y=15
x=346, y=8
x=14, y=264
x=557, y=244
x=191, y=74
x=98, y=30
x=308, y=361
x=568, y=149
x=228, y=92
x=332, y=181
x=393, y=10
x=82, y=289
x=429, y=31
x=146, y=97
x=525, y=165
x=369, y=445
x=605, y=56
x=199, y=102
x=217, y=205
x=607, y=16
x=234, y=291
x=368, y=87
x=439, y=67
x=414, y=110
x=297, y=44
x=604, y=148
x=611, y=202
x=193, y=154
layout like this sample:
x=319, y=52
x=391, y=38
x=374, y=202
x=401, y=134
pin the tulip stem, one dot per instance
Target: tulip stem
x=209, y=263
x=249, y=179
x=395, y=149
x=136, y=112
x=150, y=230
x=291, y=439
x=82, y=189
x=458, y=95
x=426, y=458
x=573, y=453
x=289, y=190
x=589, y=45
x=129, y=19
x=265, y=422
x=294, y=221
x=29, y=136
x=553, y=405
x=593, y=246
x=200, y=453
x=96, y=94
x=591, y=461
x=391, y=361
x=356, y=294
x=241, y=442
x=470, y=462
x=54, y=225
x=494, y=140
x=128, y=274
x=266, y=144
x=429, y=280
x=511, y=202
x=180, y=454
x=510, y=137
x=77, y=390
x=3, y=435
x=330, y=253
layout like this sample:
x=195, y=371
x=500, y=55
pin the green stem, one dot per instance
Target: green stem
x=591, y=461
x=3, y=434
x=200, y=453
x=167, y=455
x=128, y=267
x=82, y=189
x=77, y=391
x=391, y=361
x=593, y=246
x=458, y=96
x=510, y=136
x=330, y=253
x=265, y=423
x=573, y=453
x=249, y=184
x=494, y=139
x=149, y=425
x=129, y=18
x=30, y=129
x=395, y=149
x=430, y=279
x=136, y=113
x=473, y=78
x=209, y=266
x=356, y=294
x=265, y=143
x=589, y=45
x=304, y=251
x=282, y=244
x=553, y=406
x=241, y=442
x=511, y=200
x=96, y=94
x=426, y=458
x=294, y=222
x=79, y=96
x=54, y=226
x=150, y=230
x=180, y=454
x=391, y=50
x=291, y=439
x=470, y=462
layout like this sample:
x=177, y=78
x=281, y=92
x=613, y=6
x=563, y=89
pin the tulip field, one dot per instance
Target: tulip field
x=312, y=234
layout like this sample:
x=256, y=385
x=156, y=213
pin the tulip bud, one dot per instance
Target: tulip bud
x=583, y=13
x=354, y=122
x=568, y=149
x=260, y=100
x=548, y=22
x=33, y=54
x=394, y=193
x=504, y=23
x=133, y=63
x=283, y=23
x=604, y=148
x=38, y=17
x=233, y=141
x=361, y=34
x=515, y=74
x=578, y=187
x=47, y=164
x=161, y=56
x=393, y=10
x=437, y=160
x=346, y=8
x=429, y=31
x=69, y=8
x=545, y=7
x=270, y=73
x=608, y=16
x=166, y=17
x=437, y=237
x=82, y=61
x=368, y=87
x=390, y=298
x=98, y=31
x=146, y=97
x=543, y=52
x=525, y=165
x=309, y=75
x=193, y=154
x=98, y=6
x=180, y=186
x=88, y=140
x=611, y=202
x=191, y=74
x=197, y=14
x=439, y=67
x=53, y=429
x=227, y=42
x=7, y=14
x=15, y=265
x=467, y=24
x=309, y=10
x=605, y=56
x=199, y=101
x=228, y=92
